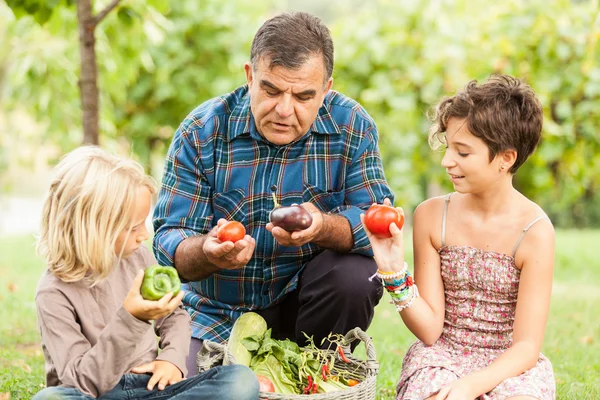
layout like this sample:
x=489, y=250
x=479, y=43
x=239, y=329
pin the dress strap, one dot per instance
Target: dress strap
x=446, y=201
x=525, y=231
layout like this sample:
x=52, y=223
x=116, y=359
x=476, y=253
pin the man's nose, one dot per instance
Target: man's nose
x=285, y=106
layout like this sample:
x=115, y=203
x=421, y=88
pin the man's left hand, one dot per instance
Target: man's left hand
x=163, y=372
x=298, y=238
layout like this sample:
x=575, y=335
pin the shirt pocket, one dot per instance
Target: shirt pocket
x=232, y=205
x=326, y=200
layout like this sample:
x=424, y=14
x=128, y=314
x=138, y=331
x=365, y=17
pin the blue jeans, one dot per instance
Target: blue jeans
x=235, y=382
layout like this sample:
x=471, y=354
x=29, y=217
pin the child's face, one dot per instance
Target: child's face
x=467, y=160
x=131, y=239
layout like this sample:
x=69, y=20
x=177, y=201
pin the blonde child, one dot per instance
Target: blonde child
x=97, y=336
x=483, y=255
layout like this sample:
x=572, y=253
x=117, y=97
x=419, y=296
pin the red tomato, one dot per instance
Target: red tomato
x=265, y=384
x=379, y=217
x=231, y=231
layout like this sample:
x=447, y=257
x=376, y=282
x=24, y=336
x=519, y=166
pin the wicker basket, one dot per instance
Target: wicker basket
x=212, y=354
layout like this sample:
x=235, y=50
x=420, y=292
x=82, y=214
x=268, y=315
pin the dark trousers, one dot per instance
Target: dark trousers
x=334, y=295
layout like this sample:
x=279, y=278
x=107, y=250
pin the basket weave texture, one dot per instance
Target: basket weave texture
x=212, y=354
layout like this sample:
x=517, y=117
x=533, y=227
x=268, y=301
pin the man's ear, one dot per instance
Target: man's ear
x=248, y=70
x=328, y=85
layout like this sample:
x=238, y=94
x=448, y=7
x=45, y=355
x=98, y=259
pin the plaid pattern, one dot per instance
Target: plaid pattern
x=218, y=166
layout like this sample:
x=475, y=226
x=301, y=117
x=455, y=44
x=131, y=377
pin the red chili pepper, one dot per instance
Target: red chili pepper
x=310, y=385
x=324, y=372
x=315, y=388
x=343, y=355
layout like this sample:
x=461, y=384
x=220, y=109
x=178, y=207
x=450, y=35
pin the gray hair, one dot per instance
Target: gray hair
x=289, y=39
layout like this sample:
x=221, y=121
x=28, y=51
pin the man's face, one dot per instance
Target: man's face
x=285, y=102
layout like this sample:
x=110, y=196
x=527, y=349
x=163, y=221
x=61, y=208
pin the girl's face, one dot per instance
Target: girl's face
x=131, y=239
x=467, y=160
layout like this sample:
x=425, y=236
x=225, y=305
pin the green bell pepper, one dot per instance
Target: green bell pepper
x=159, y=281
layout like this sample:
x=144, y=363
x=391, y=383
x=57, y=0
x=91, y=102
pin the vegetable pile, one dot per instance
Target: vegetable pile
x=290, y=369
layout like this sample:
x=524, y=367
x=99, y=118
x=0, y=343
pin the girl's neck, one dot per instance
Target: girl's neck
x=494, y=201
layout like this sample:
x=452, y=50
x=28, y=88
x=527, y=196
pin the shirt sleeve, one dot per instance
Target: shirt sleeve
x=184, y=206
x=365, y=185
x=175, y=334
x=95, y=369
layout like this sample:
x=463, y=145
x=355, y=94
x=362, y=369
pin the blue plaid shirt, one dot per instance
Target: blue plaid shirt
x=218, y=166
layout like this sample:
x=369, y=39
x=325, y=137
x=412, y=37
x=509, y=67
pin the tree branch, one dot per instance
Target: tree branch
x=100, y=16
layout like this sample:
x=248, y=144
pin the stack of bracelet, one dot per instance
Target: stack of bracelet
x=398, y=285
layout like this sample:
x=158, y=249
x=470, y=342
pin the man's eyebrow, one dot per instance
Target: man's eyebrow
x=269, y=85
x=307, y=92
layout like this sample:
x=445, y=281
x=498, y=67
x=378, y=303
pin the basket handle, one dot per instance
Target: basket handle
x=359, y=334
x=210, y=355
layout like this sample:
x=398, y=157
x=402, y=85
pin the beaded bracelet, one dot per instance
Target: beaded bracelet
x=400, y=307
x=398, y=284
x=390, y=275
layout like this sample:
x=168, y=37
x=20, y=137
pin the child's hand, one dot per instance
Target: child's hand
x=163, y=372
x=147, y=310
x=388, y=252
x=457, y=390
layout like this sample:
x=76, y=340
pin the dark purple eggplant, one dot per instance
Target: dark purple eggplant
x=291, y=218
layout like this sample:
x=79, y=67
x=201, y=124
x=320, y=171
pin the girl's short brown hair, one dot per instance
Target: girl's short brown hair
x=504, y=112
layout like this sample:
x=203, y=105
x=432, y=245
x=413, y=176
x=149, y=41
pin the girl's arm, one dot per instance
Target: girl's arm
x=533, y=304
x=425, y=317
x=92, y=369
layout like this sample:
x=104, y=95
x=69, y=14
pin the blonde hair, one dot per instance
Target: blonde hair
x=89, y=203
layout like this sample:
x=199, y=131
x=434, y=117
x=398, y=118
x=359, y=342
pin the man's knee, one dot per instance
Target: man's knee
x=347, y=275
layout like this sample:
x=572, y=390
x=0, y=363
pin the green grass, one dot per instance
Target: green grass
x=572, y=338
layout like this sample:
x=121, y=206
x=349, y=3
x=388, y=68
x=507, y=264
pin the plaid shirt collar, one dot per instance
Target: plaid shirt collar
x=241, y=120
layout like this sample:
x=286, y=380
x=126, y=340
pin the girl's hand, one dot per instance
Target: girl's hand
x=147, y=310
x=388, y=252
x=163, y=372
x=460, y=389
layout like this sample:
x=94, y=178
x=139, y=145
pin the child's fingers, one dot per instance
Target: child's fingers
x=144, y=368
x=153, y=381
x=163, y=382
x=175, y=301
x=164, y=301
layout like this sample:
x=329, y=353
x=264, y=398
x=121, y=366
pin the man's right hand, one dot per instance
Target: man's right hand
x=227, y=255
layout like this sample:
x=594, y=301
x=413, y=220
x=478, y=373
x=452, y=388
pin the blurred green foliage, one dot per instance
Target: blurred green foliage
x=159, y=59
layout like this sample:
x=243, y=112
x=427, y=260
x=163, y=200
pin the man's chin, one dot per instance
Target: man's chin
x=280, y=138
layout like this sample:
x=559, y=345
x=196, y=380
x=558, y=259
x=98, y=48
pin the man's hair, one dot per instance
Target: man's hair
x=91, y=200
x=504, y=112
x=289, y=39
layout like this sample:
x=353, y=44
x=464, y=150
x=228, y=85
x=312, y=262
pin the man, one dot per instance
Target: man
x=287, y=133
